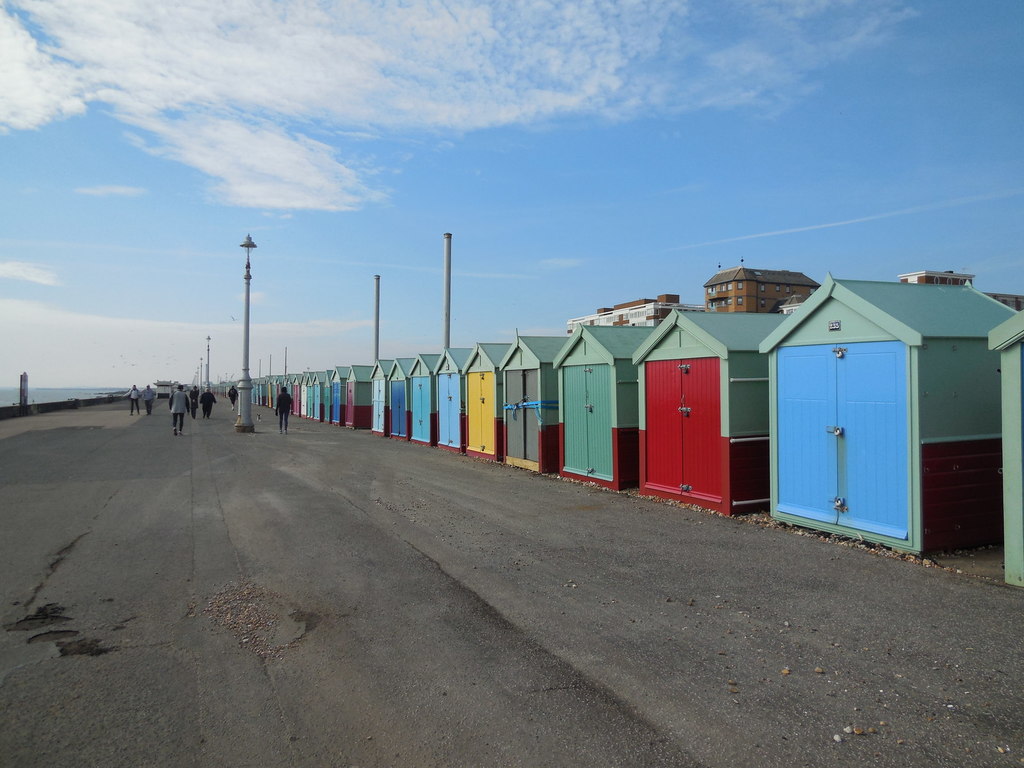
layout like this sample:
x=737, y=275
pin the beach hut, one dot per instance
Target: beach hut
x=339, y=378
x=398, y=397
x=703, y=398
x=295, y=382
x=485, y=415
x=450, y=384
x=381, y=424
x=359, y=397
x=422, y=401
x=1008, y=339
x=885, y=415
x=531, y=402
x=306, y=393
x=597, y=405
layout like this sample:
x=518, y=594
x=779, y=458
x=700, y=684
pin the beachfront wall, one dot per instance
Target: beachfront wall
x=381, y=424
x=398, y=397
x=485, y=415
x=359, y=397
x=422, y=400
x=531, y=403
x=1008, y=339
x=885, y=415
x=704, y=410
x=597, y=405
x=450, y=385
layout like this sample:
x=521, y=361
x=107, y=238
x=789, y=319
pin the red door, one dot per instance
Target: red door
x=663, y=435
x=683, y=427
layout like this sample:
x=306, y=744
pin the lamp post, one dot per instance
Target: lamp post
x=207, y=362
x=244, y=421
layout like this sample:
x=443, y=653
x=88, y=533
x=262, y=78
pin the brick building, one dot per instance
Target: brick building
x=741, y=289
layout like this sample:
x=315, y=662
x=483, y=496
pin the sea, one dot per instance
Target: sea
x=10, y=395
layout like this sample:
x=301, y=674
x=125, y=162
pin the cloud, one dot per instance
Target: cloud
x=111, y=191
x=560, y=263
x=861, y=220
x=32, y=273
x=272, y=100
x=49, y=342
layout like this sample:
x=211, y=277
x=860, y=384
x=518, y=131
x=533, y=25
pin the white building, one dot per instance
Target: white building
x=640, y=312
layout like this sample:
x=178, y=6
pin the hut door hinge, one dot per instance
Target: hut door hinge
x=839, y=504
x=685, y=487
x=684, y=368
x=840, y=351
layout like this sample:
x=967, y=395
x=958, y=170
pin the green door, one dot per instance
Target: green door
x=587, y=420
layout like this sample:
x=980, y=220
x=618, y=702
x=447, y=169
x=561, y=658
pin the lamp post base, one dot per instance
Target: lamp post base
x=245, y=427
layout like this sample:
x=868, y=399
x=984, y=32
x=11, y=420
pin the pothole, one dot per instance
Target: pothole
x=260, y=619
x=44, y=616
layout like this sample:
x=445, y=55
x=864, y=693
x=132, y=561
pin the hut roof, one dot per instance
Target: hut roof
x=616, y=342
x=1007, y=333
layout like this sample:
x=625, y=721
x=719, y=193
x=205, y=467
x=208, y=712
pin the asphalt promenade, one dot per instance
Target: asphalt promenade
x=333, y=598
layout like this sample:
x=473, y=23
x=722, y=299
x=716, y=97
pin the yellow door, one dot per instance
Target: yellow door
x=480, y=412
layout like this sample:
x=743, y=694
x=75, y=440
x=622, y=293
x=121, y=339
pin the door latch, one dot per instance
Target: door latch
x=685, y=411
x=839, y=504
x=685, y=487
x=684, y=368
x=840, y=352
x=837, y=431
x=589, y=407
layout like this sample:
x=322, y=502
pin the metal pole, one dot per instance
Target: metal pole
x=376, y=318
x=446, y=319
x=244, y=421
x=207, y=362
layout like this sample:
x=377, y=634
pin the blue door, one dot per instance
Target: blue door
x=378, y=405
x=398, y=408
x=449, y=410
x=842, y=435
x=421, y=409
x=335, y=402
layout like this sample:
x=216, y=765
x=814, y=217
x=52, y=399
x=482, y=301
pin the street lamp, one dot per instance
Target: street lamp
x=244, y=421
x=207, y=362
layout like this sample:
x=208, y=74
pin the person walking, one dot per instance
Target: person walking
x=283, y=408
x=148, y=396
x=179, y=405
x=193, y=397
x=232, y=396
x=133, y=398
x=207, y=400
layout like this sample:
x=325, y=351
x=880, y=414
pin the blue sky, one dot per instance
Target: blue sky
x=582, y=154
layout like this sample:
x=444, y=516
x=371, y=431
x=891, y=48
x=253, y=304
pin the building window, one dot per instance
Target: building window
x=778, y=288
x=739, y=299
x=761, y=287
x=728, y=301
x=787, y=289
x=728, y=286
x=739, y=286
x=762, y=301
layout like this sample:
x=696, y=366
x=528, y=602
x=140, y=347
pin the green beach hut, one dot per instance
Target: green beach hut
x=1008, y=339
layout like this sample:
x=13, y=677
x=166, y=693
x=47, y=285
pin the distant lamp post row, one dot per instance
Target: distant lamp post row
x=244, y=421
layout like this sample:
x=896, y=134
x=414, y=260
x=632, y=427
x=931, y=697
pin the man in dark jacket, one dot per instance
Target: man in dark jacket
x=193, y=396
x=207, y=400
x=283, y=408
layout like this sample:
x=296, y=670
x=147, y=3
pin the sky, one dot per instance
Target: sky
x=582, y=154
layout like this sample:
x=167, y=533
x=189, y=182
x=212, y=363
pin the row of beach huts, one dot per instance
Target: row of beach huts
x=884, y=411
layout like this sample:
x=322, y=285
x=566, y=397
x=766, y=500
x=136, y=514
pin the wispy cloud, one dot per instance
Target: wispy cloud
x=560, y=263
x=31, y=273
x=111, y=191
x=860, y=220
x=274, y=101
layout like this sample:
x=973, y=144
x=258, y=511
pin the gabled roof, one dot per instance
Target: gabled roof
x=456, y=355
x=489, y=353
x=360, y=372
x=721, y=332
x=1007, y=333
x=381, y=369
x=424, y=364
x=781, y=276
x=340, y=373
x=911, y=312
x=401, y=368
x=543, y=349
x=613, y=342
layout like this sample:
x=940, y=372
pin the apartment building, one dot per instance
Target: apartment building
x=742, y=289
x=639, y=312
